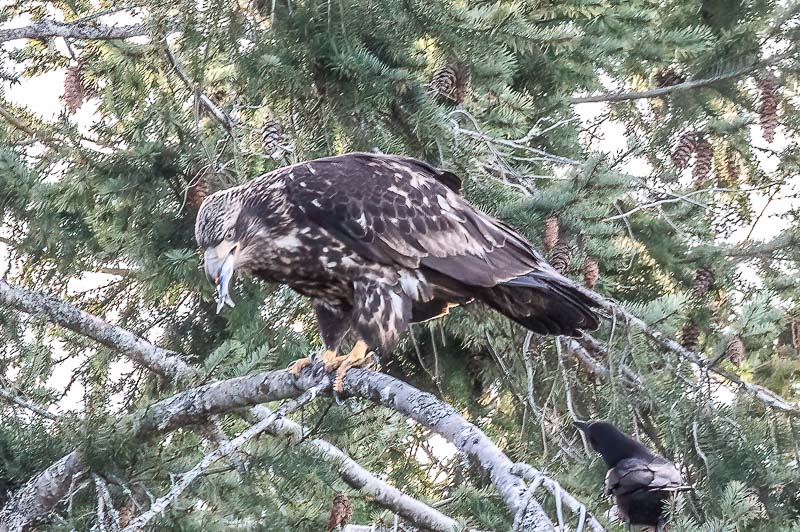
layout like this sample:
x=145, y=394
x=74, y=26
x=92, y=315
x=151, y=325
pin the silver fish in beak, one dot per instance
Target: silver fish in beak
x=220, y=272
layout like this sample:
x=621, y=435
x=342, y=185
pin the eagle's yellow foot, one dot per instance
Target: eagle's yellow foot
x=297, y=366
x=332, y=360
x=359, y=357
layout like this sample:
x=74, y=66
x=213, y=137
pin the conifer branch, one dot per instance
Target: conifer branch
x=24, y=403
x=356, y=476
x=687, y=85
x=762, y=394
x=228, y=447
x=223, y=118
x=122, y=272
x=162, y=361
x=39, y=495
x=71, y=30
x=16, y=122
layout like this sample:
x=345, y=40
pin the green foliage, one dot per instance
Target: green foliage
x=108, y=191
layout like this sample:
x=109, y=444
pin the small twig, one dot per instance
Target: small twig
x=538, y=478
x=688, y=85
x=21, y=401
x=697, y=448
x=223, y=118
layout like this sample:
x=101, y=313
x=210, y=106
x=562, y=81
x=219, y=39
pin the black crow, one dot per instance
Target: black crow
x=639, y=479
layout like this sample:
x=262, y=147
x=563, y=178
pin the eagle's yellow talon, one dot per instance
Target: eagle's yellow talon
x=297, y=366
x=359, y=357
x=338, y=383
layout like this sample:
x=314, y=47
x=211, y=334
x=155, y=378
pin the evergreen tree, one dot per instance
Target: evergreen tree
x=181, y=98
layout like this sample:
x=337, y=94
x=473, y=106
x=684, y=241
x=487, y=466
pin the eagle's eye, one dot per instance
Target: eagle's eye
x=229, y=234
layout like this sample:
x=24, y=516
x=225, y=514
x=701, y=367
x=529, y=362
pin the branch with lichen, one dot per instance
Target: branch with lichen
x=37, y=498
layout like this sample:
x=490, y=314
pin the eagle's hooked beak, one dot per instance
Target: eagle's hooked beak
x=219, y=266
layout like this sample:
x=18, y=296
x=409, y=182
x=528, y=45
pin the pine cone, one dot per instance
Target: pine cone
x=198, y=191
x=768, y=108
x=73, y=88
x=560, y=257
x=683, y=149
x=796, y=333
x=690, y=336
x=474, y=369
x=551, y=227
x=668, y=76
x=732, y=167
x=341, y=512
x=735, y=351
x=591, y=272
x=273, y=139
x=126, y=514
x=703, y=159
x=451, y=82
x=443, y=82
x=703, y=281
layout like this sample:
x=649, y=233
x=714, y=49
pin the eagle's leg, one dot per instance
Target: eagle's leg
x=333, y=320
x=359, y=357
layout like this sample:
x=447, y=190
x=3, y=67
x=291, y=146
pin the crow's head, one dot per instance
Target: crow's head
x=610, y=442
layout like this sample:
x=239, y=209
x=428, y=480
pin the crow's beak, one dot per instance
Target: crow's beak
x=219, y=266
x=582, y=425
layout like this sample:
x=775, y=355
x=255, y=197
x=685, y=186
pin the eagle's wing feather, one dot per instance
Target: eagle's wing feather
x=402, y=212
x=394, y=210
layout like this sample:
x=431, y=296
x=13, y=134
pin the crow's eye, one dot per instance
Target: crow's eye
x=229, y=234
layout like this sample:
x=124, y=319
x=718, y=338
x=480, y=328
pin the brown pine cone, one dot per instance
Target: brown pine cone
x=683, y=149
x=733, y=167
x=735, y=350
x=551, y=229
x=796, y=333
x=591, y=272
x=451, y=82
x=341, y=512
x=561, y=257
x=668, y=76
x=690, y=337
x=196, y=193
x=768, y=107
x=703, y=159
x=703, y=281
x=273, y=140
x=73, y=88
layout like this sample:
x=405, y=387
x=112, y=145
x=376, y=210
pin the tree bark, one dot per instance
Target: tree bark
x=52, y=28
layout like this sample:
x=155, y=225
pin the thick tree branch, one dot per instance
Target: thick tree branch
x=37, y=498
x=688, y=85
x=40, y=494
x=162, y=361
x=52, y=28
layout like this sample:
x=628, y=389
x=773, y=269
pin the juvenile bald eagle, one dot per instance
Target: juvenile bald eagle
x=379, y=242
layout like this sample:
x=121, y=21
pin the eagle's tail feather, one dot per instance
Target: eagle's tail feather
x=544, y=302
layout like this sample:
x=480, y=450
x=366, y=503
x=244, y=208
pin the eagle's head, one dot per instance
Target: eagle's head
x=226, y=230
